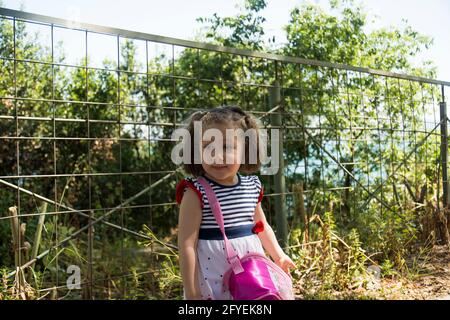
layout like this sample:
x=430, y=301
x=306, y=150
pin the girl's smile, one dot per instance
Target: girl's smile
x=219, y=166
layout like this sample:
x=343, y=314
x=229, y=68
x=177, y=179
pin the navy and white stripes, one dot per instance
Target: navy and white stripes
x=238, y=202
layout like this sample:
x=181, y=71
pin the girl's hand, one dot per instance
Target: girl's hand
x=284, y=262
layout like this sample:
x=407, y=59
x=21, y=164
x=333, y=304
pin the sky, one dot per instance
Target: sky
x=176, y=18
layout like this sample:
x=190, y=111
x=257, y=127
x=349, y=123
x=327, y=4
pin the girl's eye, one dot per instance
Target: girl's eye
x=228, y=148
x=209, y=146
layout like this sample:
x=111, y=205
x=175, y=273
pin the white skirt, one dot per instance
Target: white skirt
x=213, y=263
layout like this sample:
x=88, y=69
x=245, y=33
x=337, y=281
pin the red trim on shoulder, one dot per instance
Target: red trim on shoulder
x=261, y=194
x=258, y=227
x=179, y=191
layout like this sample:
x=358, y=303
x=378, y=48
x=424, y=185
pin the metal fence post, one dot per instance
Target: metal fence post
x=444, y=150
x=279, y=181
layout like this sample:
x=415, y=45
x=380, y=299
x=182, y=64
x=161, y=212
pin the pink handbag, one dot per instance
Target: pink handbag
x=254, y=276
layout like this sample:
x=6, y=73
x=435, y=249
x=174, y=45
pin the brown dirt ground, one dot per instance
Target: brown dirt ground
x=429, y=280
x=433, y=281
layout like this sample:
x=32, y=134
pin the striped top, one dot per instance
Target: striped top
x=238, y=202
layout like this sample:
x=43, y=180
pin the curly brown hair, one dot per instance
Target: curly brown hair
x=231, y=116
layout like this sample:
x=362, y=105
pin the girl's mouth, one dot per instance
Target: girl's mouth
x=220, y=166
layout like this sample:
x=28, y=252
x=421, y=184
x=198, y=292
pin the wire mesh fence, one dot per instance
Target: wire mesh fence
x=86, y=116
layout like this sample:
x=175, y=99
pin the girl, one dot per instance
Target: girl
x=202, y=254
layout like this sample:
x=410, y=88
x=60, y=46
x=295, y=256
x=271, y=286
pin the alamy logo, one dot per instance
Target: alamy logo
x=218, y=150
x=74, y=280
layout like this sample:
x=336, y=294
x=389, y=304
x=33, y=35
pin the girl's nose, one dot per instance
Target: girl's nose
x=220, y=157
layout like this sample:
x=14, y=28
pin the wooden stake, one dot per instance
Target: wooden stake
x=37, y=236
x=18, y=234
x=300, y=208
x=15, y=230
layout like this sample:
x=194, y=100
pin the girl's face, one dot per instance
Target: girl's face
x=224, y=166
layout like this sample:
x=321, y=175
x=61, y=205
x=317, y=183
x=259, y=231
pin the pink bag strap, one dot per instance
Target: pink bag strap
x=232, y=256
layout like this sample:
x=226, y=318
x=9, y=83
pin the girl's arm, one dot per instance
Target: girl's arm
x=270, y=242
x=188, y=225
